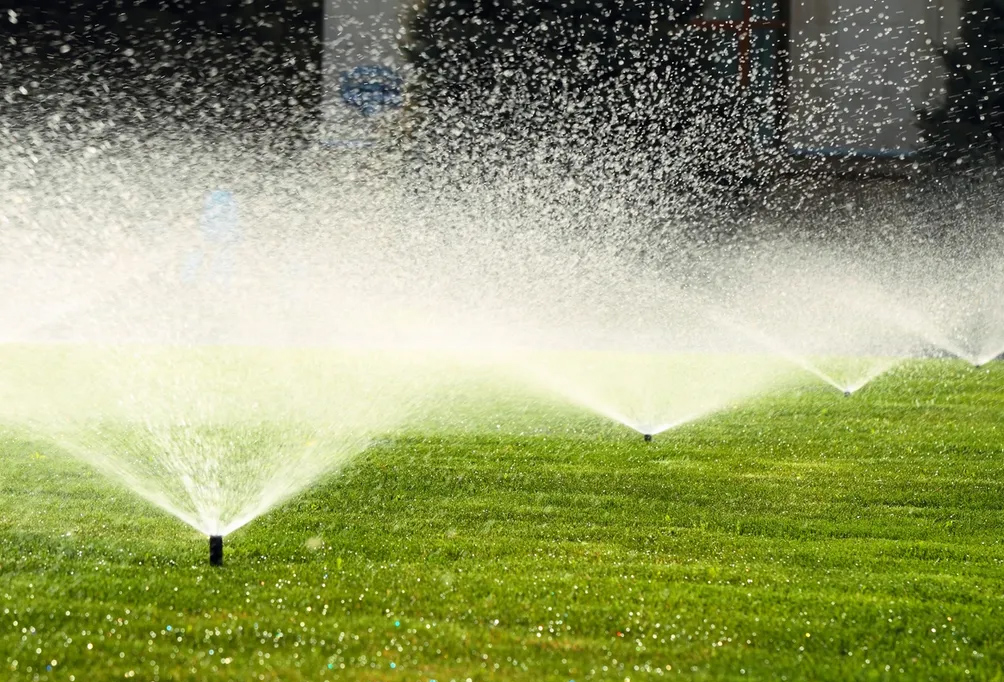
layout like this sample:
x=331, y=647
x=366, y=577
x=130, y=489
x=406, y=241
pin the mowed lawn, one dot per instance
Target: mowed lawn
x=802, y=536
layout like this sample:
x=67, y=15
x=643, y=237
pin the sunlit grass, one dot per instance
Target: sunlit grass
x=804, y=535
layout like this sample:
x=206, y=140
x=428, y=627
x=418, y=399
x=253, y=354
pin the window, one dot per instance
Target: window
x=745, y=51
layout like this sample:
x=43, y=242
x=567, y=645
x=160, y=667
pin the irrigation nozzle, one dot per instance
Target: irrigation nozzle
x=648, y=437
x=847, y=394
x=215, y=550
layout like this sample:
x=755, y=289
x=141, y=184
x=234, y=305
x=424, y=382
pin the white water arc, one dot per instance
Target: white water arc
x=215, y=436
x=830, y=317
x=337, y=256
x=654, y=371
x=949, y=299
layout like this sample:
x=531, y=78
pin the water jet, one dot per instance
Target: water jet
x=215, y=550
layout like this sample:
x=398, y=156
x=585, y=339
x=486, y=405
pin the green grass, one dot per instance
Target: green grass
x=804, y=536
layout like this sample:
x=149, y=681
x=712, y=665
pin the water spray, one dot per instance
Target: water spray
x=648, y=437
x=215, y=550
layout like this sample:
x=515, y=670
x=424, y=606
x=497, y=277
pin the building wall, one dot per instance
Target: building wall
x=861, y=69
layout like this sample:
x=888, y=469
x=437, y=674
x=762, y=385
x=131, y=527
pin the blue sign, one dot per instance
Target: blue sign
x=372, y=89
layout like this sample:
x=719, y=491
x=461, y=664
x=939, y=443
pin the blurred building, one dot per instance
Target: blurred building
x=815, y=77
x=833, y=77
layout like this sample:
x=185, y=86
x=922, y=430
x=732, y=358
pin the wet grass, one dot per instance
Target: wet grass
x=806, y=536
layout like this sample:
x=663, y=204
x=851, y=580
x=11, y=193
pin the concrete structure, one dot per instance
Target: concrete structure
x=858, y=69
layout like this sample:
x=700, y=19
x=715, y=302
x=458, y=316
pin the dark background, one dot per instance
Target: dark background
x=245, y=62
x=256, y=64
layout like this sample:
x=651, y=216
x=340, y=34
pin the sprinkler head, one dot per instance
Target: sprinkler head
x=847, y=394
x=648, y=437
x=215, y=550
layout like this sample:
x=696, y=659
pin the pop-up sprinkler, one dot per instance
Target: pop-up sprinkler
x=648, y=437
x=215, y=550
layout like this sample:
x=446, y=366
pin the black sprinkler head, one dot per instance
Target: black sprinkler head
x=215, y=550
x=648, y=437
x=847, y=394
